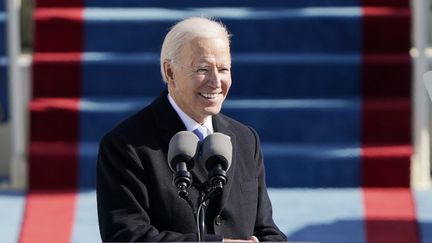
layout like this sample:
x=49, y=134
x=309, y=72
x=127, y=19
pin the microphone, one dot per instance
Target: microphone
x=182, y=149
x=217, y=156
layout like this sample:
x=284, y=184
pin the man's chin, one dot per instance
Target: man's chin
x=212, y=111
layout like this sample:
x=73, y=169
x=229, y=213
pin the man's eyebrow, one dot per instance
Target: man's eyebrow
x=209, y=62
x=202, y=64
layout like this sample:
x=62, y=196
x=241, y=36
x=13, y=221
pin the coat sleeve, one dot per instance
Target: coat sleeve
x=265, y=228
x=122, y=197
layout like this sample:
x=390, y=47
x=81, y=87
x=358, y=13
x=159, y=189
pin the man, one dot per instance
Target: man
x=137, y=200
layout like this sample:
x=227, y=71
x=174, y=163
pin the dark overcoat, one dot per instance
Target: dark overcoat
x=137, y=200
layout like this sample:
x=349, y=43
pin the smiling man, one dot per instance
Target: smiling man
x=136, y=197
x=201, y=80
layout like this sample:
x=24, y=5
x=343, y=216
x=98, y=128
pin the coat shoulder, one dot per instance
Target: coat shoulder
x=240, y=129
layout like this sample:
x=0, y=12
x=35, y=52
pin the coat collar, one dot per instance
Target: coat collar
x=167, y=120
x=169, y=123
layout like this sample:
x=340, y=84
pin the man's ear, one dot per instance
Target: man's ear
x=168, y=71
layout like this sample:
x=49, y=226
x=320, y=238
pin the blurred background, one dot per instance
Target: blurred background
x=333, y=87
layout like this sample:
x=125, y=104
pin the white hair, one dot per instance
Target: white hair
x=185, y=31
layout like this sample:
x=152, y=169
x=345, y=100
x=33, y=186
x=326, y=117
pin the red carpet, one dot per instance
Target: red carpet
x=390, y=216
x=49, y=216
x=50, y=80
x=53, y=153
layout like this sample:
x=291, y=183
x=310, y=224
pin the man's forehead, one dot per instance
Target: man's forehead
x=199, y=51
x=202, y=60
x=217, y=43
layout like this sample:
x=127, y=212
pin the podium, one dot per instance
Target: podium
x=226, y=241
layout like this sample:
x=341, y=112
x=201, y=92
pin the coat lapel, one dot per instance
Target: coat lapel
x=169, y=123
x=222, y=126
x=167, y=120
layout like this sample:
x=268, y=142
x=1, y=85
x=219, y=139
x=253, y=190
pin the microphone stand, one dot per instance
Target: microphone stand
x=208, y=190
x=206, y=194
x=199, y=213
x=200, y=216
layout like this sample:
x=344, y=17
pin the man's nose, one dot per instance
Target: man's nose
x=215, y=79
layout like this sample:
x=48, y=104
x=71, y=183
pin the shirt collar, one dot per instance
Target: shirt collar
x=190, y=123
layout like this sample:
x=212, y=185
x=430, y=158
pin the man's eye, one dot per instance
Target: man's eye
x=224, y=70
x=202, y=70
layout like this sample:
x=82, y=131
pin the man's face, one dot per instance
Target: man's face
x=202, y=78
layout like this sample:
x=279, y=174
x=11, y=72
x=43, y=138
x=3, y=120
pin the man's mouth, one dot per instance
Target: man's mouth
x=209, y=95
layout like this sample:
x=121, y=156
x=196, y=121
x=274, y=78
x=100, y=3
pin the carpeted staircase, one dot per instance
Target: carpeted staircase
x=325, y=82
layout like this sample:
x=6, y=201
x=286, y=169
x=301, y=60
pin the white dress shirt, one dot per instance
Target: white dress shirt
x=190, y=123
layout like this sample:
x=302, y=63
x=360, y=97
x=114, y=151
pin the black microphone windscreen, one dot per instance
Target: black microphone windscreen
x=217, y=149
x=182, y=148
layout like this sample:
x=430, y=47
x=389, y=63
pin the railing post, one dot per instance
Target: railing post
x=420, y=172
x=17, y=96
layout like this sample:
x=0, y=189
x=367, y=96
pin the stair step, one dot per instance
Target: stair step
x=300, y=121
x=145, y=28
x=326, y=121
x=221, y=3
x=353, y=215
x=379, y=72
x=287, y=165
x=316, y=121
x=53, y=165
x=2, y=34
x=4, y=104
x=290, y=165
x=338, y=29
x=192, y=3
x=332, y=165
x=286, y=75
x=386, y=165
x=325, y=215
x=386, y=120
x=12, y=205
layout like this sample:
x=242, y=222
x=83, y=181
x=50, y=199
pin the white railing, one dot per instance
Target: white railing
x=421, y=161
x=18, y=106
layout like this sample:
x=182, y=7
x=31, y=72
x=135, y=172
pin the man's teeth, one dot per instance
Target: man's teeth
x=209, y=96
